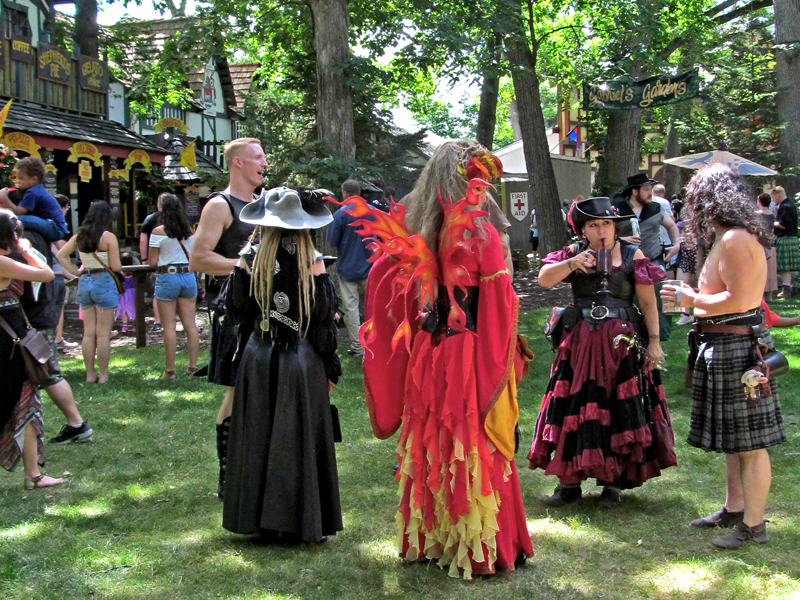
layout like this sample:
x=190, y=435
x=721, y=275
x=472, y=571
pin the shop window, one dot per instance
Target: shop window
x=15, y=19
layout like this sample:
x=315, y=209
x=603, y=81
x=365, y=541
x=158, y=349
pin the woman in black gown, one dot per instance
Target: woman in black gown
x=281, y=478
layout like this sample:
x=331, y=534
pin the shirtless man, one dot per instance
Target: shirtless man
x=726, y=307
x=219, y=237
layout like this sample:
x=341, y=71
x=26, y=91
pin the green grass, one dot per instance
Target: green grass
x=138, y=517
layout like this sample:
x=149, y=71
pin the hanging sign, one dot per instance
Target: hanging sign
x=16, y=140
x=55, y=64
x=50, y=179
x=192, y=204
x=171, y=122
x=84, y=150
x=655, y=91
x=113, y=192
x=85, y=171
x=93, y=74
x=209, y=89
x=21, y=48
x=118, y=174
x=519, y=205
x=137, y=156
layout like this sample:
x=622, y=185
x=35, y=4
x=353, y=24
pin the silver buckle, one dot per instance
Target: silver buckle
x=172, y=270
x=601, y=316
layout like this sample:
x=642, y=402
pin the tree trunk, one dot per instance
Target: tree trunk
x=787, y=72
x=622, y=154
x=490, y=90
x=513, y=116
x=334, y=96
x=542, y=178
x=672, y=175
x=487, y=112
x=86, y=28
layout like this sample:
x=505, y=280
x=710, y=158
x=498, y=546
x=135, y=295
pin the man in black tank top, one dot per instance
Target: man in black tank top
x=219, y=237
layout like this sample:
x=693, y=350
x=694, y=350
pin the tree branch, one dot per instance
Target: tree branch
x=711, y=12
x=752, y=6
x=744, y=10
x=556, y=30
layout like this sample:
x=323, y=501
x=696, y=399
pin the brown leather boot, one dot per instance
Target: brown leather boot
x=740, y=535
x=721, y=518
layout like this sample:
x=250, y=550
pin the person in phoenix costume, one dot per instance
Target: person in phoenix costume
x=441, y=325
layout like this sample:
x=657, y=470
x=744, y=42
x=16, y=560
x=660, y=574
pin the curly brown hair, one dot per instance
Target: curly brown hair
x=717, y=193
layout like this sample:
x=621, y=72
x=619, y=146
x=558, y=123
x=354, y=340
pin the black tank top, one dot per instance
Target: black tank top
x=234, y=237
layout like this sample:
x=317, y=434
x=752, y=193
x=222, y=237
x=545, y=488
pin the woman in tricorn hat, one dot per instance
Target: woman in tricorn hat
x=281, y=478
x=604, y=415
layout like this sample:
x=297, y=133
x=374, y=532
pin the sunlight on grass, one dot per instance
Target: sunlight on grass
x=683, y=578
x=21, y=531
x=231, y=562
x=88, y=510
x=140, y=492
x=383, y=550
x=572, y=530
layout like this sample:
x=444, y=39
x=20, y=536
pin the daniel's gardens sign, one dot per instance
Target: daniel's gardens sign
x=655, y=91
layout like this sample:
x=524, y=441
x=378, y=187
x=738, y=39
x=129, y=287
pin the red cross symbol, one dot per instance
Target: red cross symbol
x=519, y=204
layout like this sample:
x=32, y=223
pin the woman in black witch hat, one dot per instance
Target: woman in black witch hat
x=281, y=465
x=604, y=415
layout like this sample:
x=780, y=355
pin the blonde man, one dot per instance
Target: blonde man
x=219, y=237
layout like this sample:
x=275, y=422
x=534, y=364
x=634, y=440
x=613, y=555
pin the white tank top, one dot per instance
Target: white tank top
x=90, y=262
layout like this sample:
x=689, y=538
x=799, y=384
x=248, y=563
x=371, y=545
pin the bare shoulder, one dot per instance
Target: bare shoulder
x=739, y=240
x=159, y=230
x=217, y=209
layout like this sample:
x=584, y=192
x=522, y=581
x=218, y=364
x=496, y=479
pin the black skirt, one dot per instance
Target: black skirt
x=281, y=467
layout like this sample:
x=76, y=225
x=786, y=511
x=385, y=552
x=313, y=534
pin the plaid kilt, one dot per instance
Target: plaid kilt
x=722, y=419
x=787, y=249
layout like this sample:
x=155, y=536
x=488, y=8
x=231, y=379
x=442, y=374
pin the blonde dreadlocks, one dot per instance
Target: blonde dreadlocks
x=264, y=270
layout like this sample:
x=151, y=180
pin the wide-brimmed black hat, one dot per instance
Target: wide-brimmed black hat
x=593, y=209
x=637, y=181
x=289, y=209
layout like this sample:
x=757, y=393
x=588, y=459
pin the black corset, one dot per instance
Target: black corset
x=437, y=320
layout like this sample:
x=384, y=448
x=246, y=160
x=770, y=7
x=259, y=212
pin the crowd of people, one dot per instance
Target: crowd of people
x=442, y=356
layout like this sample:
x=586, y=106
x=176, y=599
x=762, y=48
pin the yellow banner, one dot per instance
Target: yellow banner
x=3, y=115
x=171, y=122
x=85, y=150
x=188, y=157
x=85, y=171
x=50, y=169
x=119, y=174
x=16, y=140
x=137, y=156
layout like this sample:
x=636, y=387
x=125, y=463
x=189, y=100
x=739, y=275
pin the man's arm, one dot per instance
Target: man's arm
x=735, y=264
x=214, y=220
x=674, y=235
x=144, y=241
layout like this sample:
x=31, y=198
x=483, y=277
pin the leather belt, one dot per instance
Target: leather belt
x=723, y=328
x=95, y=271
x=599, y=313
x=172, y=270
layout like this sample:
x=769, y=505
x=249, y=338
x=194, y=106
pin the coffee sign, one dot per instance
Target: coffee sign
x=93, y=74
x=55, y=64
x=21, y=48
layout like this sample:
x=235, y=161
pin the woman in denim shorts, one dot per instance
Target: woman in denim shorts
x=97, y=292
x=176, y=286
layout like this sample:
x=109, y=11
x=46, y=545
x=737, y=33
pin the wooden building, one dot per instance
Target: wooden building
x=60, y=113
